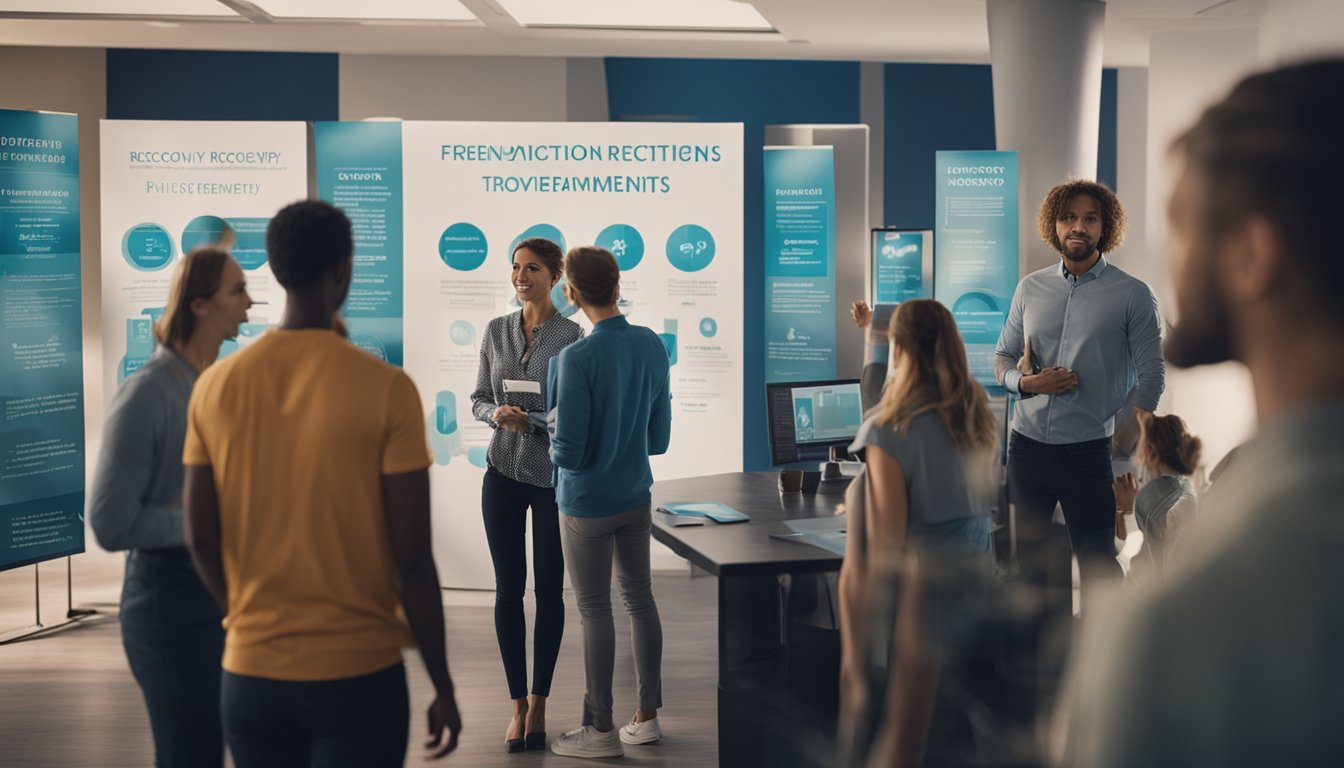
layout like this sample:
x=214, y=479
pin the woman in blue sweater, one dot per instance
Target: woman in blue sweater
x=610, y=410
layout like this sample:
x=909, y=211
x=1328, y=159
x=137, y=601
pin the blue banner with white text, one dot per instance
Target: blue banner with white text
x=359, y=170
x=976, y=231
x=799, y=263
x=41, y=343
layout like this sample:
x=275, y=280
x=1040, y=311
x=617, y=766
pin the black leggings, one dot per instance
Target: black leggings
x=504, y=503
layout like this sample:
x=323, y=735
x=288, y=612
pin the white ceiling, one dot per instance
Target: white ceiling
x=862, y=30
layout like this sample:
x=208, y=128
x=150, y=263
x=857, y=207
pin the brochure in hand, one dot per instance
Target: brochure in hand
x=719, y=513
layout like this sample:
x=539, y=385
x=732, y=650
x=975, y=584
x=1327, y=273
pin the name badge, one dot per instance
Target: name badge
x=522, y=386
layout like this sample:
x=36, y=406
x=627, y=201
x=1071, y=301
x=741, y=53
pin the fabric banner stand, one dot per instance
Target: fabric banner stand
x=171, y=186
x=976, y=232
x=800, y=328
x=665, y=199
x=359, y=171
x=41, y=342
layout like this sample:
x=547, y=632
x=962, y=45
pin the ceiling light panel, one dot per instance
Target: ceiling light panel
x=119, y=7
x=363, y=10
x=638, y=14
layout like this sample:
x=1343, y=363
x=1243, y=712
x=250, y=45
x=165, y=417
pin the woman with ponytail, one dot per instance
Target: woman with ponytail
x=918, y=549
x=1166, y=503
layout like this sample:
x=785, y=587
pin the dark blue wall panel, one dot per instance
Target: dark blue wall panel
x=1106, y=162
x=929, y=107
x=756, y=93
x=221, y=85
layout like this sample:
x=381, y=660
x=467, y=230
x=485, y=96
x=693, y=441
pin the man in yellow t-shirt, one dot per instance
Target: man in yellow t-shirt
x=307, y=504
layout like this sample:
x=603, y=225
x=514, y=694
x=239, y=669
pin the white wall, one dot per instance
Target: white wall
x=459, y=88
x=1188, y=71
x=1294, y=29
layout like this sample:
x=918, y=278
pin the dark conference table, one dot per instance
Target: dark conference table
x=778, y=687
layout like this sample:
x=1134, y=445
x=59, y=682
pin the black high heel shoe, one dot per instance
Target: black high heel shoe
x=536, y=740
x=514, y=745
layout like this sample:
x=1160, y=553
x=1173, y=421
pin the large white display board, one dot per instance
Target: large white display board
x=666, y=199
x=170, y=186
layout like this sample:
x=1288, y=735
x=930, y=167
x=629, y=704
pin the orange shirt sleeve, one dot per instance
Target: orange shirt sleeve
x=405, y=448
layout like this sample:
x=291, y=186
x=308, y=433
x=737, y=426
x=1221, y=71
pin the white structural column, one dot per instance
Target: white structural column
x=1046, y=61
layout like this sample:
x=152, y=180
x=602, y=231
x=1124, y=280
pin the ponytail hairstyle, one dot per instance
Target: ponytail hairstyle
x=1167, y=439
x=593, y=275
x=933, y=375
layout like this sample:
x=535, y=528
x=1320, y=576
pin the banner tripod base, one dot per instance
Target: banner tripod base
x=73, y=615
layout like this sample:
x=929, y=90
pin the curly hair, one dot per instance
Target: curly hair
x=1057, y=200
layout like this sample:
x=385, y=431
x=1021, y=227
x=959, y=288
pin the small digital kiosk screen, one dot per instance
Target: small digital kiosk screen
x=808, y=418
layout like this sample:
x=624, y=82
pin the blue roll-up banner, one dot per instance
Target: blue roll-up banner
x=799, y=263
x=976, y=232
x=901, y=269
x=41, y=346
x=359, y=170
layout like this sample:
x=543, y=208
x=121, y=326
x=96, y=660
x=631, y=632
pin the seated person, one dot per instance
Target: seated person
x=1168, y=501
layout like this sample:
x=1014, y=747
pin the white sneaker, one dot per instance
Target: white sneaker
x=588, y=742
x=646, y=732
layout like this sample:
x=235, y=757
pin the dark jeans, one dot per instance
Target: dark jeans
x=170, y=627
x=359, y=722
x=1078, y=477
x=504, y=504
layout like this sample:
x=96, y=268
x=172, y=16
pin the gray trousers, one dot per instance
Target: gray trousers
x=591, y=544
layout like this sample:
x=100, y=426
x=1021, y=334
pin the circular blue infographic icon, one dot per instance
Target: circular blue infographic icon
x=461, y=332
x=548, y=231
x=147, y=247
x=690, y=248
x=203, y=231
x=625, y=243
x=371, y=344
x=462, y=246
x=708, y=327
x=563, y=305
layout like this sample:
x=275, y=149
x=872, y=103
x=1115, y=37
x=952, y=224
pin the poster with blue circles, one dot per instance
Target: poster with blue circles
x=169, y=188
x=490, y=211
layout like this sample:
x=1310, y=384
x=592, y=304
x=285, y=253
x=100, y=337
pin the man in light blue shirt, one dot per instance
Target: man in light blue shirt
x=1079, y=336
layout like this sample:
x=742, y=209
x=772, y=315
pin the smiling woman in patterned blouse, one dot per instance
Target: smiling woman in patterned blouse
x=510, y=396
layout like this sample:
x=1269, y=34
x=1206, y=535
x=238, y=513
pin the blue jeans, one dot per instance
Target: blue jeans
x=354, y=722
x=170, y=627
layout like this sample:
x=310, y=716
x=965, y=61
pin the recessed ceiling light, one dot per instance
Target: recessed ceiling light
x=119, y=7
x=715, y=15
x=361, y=10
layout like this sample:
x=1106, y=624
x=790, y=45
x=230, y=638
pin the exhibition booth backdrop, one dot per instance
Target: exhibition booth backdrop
x=437, y=208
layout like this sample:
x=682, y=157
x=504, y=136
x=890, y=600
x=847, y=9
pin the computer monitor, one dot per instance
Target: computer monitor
x=807, y=418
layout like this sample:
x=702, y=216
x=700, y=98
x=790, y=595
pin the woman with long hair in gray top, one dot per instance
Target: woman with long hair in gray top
x=918, y=537
x=170, y=626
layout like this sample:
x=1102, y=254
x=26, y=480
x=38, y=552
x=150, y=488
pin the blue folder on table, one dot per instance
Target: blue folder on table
x=719, y=513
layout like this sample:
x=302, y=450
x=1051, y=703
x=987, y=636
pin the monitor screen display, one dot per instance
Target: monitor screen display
x=807, y=418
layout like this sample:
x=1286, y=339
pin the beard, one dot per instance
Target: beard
x=1204, y=334
x=1072, y=255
